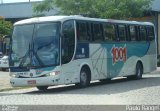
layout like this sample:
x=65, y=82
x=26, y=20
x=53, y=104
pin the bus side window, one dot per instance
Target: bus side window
x=150, y=33
x=82, y=33
x=109, y=32
x=89, y=31
x=98, y=32
x=142, y=33
x=122, y=32
x=132, y=32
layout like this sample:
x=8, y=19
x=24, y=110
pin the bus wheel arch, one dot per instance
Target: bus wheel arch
x=139, y=69
x=85, y=76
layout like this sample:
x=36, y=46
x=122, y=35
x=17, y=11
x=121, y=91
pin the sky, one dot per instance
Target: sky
x=13, y=1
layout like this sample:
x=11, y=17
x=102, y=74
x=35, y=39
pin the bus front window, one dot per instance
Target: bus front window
x=35, y=45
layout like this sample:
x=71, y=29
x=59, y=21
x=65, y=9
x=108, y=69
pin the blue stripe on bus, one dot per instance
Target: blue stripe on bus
x=133, y=49
x=21, y=69
x=18, y=69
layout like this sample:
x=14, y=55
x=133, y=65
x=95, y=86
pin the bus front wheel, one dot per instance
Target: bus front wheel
x=42, y=88
x=84, y=77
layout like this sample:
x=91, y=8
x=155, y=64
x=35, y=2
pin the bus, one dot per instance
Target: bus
x=60, y=50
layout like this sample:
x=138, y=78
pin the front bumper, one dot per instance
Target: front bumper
x=41, y=81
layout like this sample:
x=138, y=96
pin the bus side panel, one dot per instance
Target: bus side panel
x=122, y=57
x=95, y=56
x=71, y=70
x=115, y=59
x=98, y=56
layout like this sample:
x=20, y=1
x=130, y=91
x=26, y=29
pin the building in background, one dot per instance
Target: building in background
x=156, y=12
x=18, y=11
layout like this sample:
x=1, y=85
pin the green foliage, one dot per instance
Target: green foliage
x=115, y=9
x=46, y=5
x=5, y=28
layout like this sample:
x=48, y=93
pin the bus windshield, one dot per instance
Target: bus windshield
x=35, y=45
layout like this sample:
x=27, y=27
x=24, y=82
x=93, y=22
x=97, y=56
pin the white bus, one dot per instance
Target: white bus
x=58, y=50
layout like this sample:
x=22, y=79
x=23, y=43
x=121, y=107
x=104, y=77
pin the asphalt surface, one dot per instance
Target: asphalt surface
x=4, y=80
x=117, y=92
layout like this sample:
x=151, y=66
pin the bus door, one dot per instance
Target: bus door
x=67, y=51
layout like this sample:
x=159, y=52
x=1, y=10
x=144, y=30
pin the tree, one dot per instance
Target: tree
x=115, y=9
x=5, y=28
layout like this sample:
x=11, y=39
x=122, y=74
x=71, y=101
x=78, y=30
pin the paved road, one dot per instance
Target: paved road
x=118, y=92
x=4, y=80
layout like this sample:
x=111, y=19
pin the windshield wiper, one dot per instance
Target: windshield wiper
x=25, y=57
x=34, y=54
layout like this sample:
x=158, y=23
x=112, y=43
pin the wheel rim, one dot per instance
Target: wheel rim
x=84, y=78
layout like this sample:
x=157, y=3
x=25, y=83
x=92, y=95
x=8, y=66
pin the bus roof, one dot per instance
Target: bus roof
x=75, y=17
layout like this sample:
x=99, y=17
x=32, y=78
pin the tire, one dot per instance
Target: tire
x=138, y=74
x=139, y=71
x=42, y=88
x=84, y=78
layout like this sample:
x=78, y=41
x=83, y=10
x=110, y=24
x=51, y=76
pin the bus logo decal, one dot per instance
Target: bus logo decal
x=118, y=54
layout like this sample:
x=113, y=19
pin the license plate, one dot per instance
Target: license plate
x=31, y=82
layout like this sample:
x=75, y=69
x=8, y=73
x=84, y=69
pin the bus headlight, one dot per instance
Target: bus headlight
x=14, y=75
x=53, y=73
